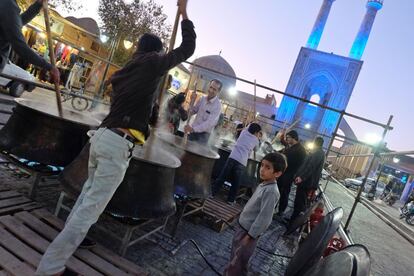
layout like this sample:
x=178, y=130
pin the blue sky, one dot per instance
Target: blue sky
x=261, y=40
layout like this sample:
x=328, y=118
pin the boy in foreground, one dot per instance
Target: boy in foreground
x=256, y=215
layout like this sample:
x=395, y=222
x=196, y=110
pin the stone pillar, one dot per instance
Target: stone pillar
x=319, y=26
x=373, y=6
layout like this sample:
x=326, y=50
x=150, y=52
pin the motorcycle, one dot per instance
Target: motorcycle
x=390, y=198
x=407, y=212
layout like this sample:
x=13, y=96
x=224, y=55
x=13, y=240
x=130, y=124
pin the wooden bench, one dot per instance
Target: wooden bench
x=25, y=236
x=218, y=213
x=13, y=201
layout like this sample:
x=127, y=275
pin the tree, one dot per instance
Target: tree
x=68, y=5
x=129, y=21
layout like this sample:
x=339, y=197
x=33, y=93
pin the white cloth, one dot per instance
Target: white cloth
x=109, y=157
x=244, y=146
x=208, y=113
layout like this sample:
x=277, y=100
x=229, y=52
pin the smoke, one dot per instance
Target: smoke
x=98, y=110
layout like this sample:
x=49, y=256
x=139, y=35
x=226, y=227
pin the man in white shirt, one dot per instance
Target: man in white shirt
x=208, y=110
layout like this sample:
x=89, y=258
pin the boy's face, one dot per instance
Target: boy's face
x=267, y=172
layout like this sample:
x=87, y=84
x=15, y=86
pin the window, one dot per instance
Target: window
x=315, y=98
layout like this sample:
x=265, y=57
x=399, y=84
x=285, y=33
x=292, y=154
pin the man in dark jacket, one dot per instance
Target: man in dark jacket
x=307, y=177
x=11, y=22
x=295, y=154
x=134, y=89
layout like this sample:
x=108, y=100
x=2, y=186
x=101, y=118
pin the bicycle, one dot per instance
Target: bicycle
x=78, y=101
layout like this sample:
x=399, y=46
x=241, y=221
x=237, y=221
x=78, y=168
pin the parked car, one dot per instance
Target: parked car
x=16, y=88
x=355, y=183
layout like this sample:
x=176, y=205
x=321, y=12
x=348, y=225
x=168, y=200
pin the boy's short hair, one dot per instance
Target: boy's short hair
x=254, y=128
x=277, y=160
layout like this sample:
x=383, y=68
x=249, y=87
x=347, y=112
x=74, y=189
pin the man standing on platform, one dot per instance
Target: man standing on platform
x=307, y=177
x=295, y=154
x=208, y=110
x=134, y=90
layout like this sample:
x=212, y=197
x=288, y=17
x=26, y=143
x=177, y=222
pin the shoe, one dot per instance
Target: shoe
x=231, y=203
x=87, y=243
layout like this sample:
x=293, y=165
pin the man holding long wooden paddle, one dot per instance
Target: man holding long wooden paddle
x=11, y=22
x=134, y=90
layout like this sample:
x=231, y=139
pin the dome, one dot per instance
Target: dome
x=217, y=63
x=85, y=23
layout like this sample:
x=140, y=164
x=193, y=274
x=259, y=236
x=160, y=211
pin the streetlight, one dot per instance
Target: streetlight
x=372, y=138
x=307, y=126
x=395, y=160
x=128, y=44
x=233, y=91
x=104, y=38
x=310, y=145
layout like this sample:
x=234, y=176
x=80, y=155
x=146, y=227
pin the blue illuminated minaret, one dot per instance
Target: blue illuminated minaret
x=319, y=25
x=373, y=6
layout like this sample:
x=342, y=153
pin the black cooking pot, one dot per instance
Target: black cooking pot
x=36, y=132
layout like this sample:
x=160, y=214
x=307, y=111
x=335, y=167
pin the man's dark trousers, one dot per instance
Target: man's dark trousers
x=232, y=170
x=284, y=190
x=301, y=200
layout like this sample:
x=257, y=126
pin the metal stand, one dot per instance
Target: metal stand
x=126, y=239
x=36, y=174
x=174, y=220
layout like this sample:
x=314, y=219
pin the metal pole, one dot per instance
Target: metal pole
x=334, y=134
x=52, y=55
x=341, y=115
x=254, y=106
x=376, y=152
x=114, y=46
x=380, y=171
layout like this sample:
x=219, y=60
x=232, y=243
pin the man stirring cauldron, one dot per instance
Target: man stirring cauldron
x=208, y=110
x=134, y=90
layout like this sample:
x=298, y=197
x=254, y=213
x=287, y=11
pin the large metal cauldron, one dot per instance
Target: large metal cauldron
x=193, y=178
x=147, y=190
x=36, y=132
x=250, y=179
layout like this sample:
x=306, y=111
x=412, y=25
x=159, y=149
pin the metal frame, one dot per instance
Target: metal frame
x=125, y=240
x=37, y=175
x=175, y=219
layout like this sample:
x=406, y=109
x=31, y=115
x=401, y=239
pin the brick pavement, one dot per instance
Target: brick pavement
x=154, y=254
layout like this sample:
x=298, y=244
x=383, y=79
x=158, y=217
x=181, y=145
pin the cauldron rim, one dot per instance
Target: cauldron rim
x=212, y=154
x=26, y=103
x=218, y=147
x=140, y=158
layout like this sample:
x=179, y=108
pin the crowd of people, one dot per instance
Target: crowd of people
x=134, y=90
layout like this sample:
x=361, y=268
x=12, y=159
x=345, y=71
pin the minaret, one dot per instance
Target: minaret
x=319, y=26
x=373, y=6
